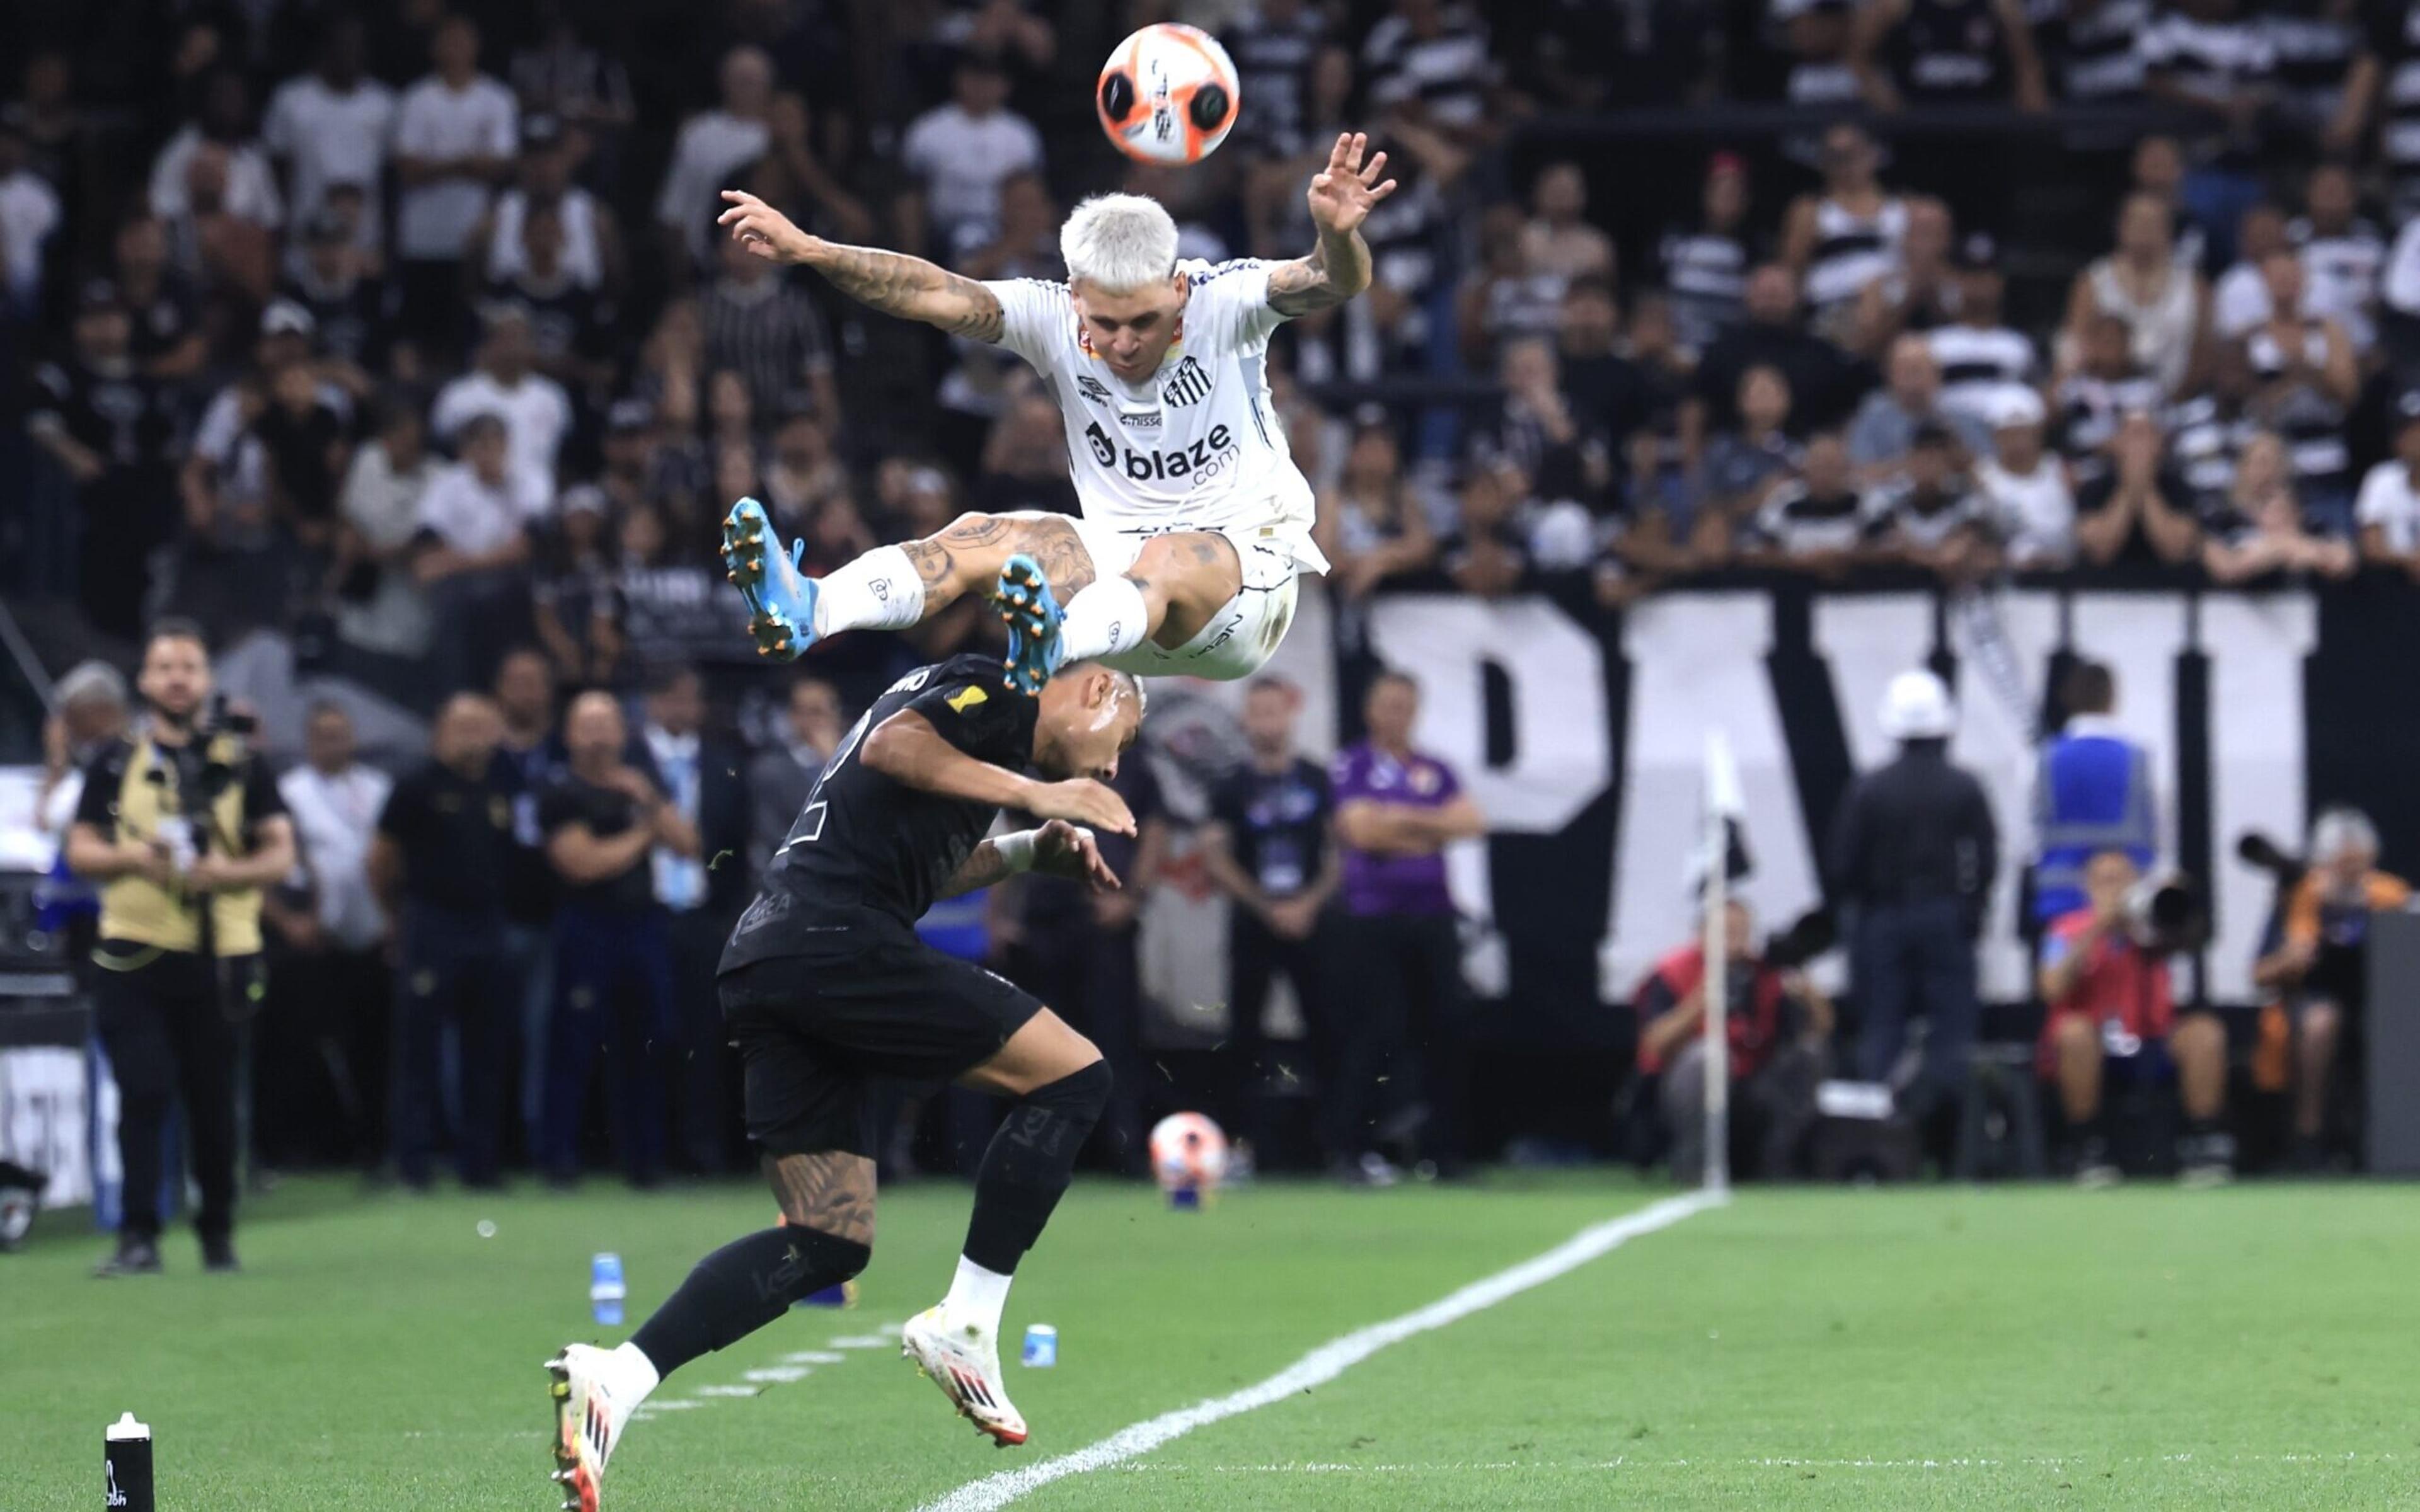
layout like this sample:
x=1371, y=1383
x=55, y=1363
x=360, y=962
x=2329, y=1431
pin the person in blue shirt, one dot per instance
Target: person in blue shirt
x=2093, y=794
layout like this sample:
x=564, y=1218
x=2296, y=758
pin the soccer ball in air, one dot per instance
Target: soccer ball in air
x=1187, y=1153
x=1168, y=95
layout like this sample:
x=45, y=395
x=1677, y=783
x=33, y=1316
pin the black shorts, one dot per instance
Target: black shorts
x=859, y=1000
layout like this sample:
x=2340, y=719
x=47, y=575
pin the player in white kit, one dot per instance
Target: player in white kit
x=1196, y=520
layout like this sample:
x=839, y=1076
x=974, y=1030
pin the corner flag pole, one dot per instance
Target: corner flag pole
x=1723, y=805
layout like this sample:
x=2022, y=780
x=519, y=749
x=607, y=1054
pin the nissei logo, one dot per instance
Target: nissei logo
x=1205, y=454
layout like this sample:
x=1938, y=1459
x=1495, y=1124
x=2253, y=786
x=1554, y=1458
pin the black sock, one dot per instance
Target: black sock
x=1029, y=1164
x=742, y=1287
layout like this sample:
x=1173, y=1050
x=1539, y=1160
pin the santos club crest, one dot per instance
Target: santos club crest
x=1190, y=384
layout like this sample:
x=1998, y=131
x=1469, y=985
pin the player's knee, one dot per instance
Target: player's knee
x=1081, y=1096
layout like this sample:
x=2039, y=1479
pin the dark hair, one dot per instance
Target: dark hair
x=665, y=678
x=2088, y=687
x=325, y=706
x=1390, y=675
x=176, y=627
x=1272, y=682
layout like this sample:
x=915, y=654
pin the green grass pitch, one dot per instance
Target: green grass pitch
x=2147, y=1347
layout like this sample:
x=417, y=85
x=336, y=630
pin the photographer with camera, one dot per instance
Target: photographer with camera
x=2322, y=968
x=2113, y=1018
x=1777, y=1024
x=181, y=829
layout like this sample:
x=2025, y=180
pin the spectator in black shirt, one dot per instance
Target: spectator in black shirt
x=108, y=426
x=1268, y=847
x=167, y=338
x=441, y=860
x=1486, y=554
x=603, y=820
x=1955, y=51
x=528, y=754
x=351, y=311
x=1824, y=381
x=2136, y=513
x=304, y=442
x=1705, y=264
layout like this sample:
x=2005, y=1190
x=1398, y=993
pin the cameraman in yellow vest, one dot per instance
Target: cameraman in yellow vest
x=180, y=829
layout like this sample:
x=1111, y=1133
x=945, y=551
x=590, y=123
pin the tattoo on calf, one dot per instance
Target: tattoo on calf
x=830, y=1192
x=933, y=562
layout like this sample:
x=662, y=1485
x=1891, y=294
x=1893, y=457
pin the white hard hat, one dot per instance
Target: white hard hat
x=1917, y=707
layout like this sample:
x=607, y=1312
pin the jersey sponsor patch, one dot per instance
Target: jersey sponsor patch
x=1188, y=385
x=1205, y=458
x=1092, y=388
x=966, y=698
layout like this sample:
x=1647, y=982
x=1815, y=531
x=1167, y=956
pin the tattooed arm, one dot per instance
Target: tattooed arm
x=1342, y=196
x=891, y=282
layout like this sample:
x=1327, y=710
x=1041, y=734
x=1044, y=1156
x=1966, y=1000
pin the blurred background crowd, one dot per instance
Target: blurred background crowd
x=403, y=334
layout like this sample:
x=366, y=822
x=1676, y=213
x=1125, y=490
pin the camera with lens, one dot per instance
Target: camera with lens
x=2167, y=914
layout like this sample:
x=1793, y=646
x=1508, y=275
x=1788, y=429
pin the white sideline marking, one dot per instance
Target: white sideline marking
x=813, y=1357
x=777, y=1375
x=863, y=1341
x=1330, y=1360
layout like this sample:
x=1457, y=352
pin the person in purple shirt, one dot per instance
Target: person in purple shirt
x=1396, y=811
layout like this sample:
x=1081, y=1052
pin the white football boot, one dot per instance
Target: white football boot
x=588, y=1419
x=963, y=1359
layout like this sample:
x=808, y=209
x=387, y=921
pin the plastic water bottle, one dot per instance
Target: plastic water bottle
x=605, y=1289
x=126, y=1466
x=1041, y=1346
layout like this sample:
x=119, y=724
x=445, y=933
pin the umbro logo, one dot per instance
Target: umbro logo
x=1092, y=388
x=1189, y=385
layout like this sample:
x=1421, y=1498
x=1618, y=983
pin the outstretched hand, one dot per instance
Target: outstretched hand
x=1065, y=850
x=1343, y=193
x=763, y=230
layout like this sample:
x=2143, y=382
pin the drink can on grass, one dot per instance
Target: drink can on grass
x=126, y=1466
x=1041, y=1346
x=605, y=1289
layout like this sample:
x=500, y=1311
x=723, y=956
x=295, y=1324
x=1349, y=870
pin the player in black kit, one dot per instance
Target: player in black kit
x=825, y=985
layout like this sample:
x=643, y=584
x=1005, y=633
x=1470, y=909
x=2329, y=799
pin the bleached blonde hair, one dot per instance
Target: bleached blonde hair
x=1118, y=243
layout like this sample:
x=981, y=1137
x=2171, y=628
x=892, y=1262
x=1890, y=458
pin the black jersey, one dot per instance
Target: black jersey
x=865, y=841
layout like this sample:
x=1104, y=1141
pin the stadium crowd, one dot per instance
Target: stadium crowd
x=406, y=333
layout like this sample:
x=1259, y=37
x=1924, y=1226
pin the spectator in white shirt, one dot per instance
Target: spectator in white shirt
x=454, y=139
x=2239, y=301
x=536, y=412
x=960, y=154
x=2342, y=254
x=712, y=146
x=475, y=528
x=250, y=191
x=591, y=250
x=336, y=967
x=331, y=126
x=2388, y=510
x=29, y=212
x=2024, y=487
x=335, y=801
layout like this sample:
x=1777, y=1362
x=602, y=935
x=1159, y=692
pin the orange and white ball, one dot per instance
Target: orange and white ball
x=1188, y=1151
x=1169, y=95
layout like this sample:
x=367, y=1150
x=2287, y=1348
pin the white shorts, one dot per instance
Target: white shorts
x=1242, y=635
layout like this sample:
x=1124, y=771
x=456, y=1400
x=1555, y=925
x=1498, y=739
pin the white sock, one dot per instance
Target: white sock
x=1105, y=618
x=879, y=591
x=977, y=1295
x=634, y=1375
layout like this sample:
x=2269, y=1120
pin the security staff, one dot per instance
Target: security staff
x=603, y=820
x=1913, y=850
x=181, y=829
x=2093, y=794
x=1268, y=846
x=442, y=862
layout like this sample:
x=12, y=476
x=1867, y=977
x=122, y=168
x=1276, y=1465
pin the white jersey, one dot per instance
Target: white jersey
x=1199, y=445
